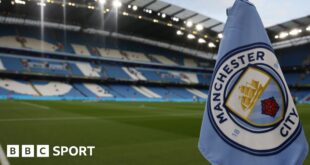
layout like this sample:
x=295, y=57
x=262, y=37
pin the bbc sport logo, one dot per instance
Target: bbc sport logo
x=43, y=151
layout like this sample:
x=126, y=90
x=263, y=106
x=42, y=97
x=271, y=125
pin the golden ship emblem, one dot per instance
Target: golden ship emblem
x=251, y=92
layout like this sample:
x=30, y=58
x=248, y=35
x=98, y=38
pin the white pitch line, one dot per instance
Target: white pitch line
x=35, y=105
x=99, y=117
x=46, y=119
x=3, y=159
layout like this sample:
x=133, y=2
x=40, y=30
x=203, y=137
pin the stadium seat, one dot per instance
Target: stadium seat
x=17, y=87
x=2, y=66
x=88, y=70
x=54, y=88
x=163, y=60
x=80, y=49
x=190, y=62
x=97, y=90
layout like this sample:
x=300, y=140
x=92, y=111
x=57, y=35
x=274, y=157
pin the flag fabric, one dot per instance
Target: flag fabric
x=250, y=116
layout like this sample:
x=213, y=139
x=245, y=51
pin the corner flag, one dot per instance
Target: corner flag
x=250, y=116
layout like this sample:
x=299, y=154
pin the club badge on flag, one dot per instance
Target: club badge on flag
x=250, y=116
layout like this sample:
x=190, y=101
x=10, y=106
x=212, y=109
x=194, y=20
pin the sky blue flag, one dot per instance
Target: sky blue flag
x=250, y=116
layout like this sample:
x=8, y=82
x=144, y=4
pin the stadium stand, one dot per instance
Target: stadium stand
x=97, y=90
x=163, y=60
x=197, y=93
x=111, y=53
x=88, y=70
x=80, y=49
x=146, y=92
x=1, y=65
x=294, y=56
x=190, y=62
x=9, y=87
x=85, y=68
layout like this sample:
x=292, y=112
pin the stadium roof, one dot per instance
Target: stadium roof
x=151, y=19
x=179, y=12
x=292, y=29
x=155, y=20
x=272, y=12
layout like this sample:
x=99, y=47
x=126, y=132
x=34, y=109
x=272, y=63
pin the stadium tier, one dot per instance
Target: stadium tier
x=294, y=56
x=55, y=90
x=156, y=82
x=100, y=61
x=116, y=68
x=45, y=66
x=92, y=46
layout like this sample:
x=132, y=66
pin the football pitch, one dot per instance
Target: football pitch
x=124, y=133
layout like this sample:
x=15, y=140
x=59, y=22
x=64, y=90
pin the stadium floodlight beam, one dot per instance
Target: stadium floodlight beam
x=163, y=15
x=102, y=2
x=211, y=45
x=201, y=41
x=41, y=4
x=179, y=32
x=199, y=27
x=117, y=4
x=283, y=35
x=189, y=23
x=191, y=36
x=295, y=32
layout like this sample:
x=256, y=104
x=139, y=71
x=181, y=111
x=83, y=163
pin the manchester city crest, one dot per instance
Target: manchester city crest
x=256, y=97
x=249, y=103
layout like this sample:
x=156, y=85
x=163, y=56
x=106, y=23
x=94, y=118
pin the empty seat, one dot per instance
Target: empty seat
x=88, y=70
x=18, y=87
x=52, y=88
x=80, y=49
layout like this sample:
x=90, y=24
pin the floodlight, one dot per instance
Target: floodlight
x=191, y=36
x=20, y=2
x=295, y=32
x=211, y=45
x=199, y=27
x=283, y=35
x=201, y=41
x=179, y=32
x=102, y=2
x=189, y=23
x=220, y=35
x=134, y=7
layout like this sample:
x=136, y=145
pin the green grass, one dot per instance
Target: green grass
x=123, y=133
